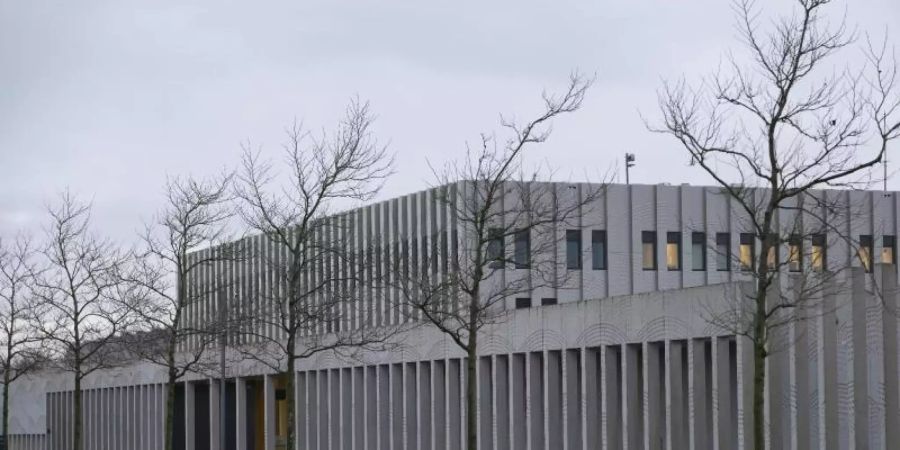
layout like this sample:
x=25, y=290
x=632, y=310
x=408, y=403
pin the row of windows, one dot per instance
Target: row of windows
x=698, y=255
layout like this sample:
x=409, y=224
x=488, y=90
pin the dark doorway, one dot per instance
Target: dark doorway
x=201, y=417
x=178, y=418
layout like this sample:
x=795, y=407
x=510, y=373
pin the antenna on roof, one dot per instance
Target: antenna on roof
x=629, y=163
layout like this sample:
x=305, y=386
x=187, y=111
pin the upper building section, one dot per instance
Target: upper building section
x=624, y=239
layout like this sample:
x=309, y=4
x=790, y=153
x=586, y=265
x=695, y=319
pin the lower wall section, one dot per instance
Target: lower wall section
x=129, y=417
x=26, y=442
x=653, y=395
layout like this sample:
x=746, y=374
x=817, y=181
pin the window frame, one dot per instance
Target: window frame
x=522, y=249
x=723, y=240
x=698, y=238
x=577, y=257
x=673, y=240
x=601, y=234
x=648, y=237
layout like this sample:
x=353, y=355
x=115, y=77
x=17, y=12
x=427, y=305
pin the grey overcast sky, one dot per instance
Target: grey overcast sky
x=107, y=97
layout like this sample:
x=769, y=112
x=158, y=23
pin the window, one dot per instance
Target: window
x=673, y=250
x=598, y=249
x=819, y=257
x=522, y=257
x=723, y=251
x=889, y=250
x=746, y=251
x=772, y=258
x=795, y=253
x=865, y=251
x=648, y=248
x=546, y=301
x=573, y=249
x=523, y=302
x=698, y=251
x=494, y=248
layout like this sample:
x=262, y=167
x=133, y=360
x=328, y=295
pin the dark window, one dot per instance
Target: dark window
x=548, y=301
x=522, y=257
x=698, y=250
x=523, y=302
x=598, y=249
x=865, y=251
x=573, y=249
x=795, y=253
x=495, y=248
x=747, y=251
x=648, y=249
x=723, y=251
x=819, y=257
x=673, y=250
x=889, y=250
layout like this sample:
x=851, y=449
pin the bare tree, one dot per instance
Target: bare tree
x=493, y=201
x=311, y=302
x=17, y=337
x=773, y=131
x=196, y=215
x=76, y=313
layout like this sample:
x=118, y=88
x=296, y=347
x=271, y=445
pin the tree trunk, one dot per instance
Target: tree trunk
x=472, y=394
x=5, y=410
x=289, y=393
x=76, y=413
x=169, y=439
x=759, y=359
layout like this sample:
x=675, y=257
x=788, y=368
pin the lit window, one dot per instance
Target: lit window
x=698, y=251
x=573, y=249
x=494, y=248
x=889, y=250
x=598, y=249
x=819, y=256
x=745, y=252
x=865, y=251
x=648, y=249
x=522, y=255
x=772, y=259
x=523, y=302
x=723, y=251
x=673, y=250
x=795, y=253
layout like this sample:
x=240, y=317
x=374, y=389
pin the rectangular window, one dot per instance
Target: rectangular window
x=648, y=249
x=746, y=250
x=865, y=251
x=698, y=251
x=523, y=302
x=546, y=301
x=494, y=248
x=723, y=251
x=795, y=253
x=573, y=249
x=598, y=249
x=772, y=259
x=889, y=250
x=819, y=257
x=522, y=257
x=673, y=250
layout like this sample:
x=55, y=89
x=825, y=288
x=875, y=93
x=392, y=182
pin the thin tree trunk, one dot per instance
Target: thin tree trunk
x=169, y=440
x=76, y=406
x=759, y=362
x=472, y=394
x=5, y=410
x=289, y=392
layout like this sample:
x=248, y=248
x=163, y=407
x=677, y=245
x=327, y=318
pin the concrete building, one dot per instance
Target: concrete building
x=620, y=354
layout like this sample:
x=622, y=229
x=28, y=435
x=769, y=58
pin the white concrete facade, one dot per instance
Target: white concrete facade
x=626, y=360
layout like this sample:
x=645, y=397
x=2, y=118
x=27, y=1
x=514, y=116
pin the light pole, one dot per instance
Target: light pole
x=629, y=163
